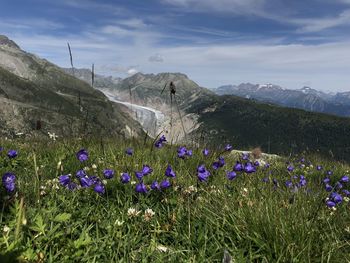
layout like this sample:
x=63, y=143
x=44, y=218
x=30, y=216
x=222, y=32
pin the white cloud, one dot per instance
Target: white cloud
x=235, y=6
x=319, y=24
x=260, y=8
x=156, y=58
x=135, y=23
x=132, y=71
x=211, y=65
x=29, y=24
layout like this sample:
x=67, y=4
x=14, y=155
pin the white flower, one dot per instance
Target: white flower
x=149, y=213
x=190, y=189
x=244, y=192
x=94, y=166
x=133, y=182
x=132, y=212
x=52, y=136
x=6, y=229
x=162, y=248
x=118, y=222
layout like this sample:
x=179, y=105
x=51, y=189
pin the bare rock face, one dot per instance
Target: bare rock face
x=5, y=41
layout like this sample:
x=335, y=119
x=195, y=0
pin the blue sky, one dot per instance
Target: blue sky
x=215, y=42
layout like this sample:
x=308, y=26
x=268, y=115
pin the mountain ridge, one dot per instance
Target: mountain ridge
x=53, y=97
x=305, y=98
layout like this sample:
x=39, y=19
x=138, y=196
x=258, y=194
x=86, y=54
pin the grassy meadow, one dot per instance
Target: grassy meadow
x=276, y=210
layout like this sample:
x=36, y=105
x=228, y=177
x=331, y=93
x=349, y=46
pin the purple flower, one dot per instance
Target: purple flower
x=9, y=181
x=338, y=185
x=202, y=173
x=238, y=167
x=125, y=178
x=336, y=198
x=302, y=160
x=1, y=148
x=265, y=180
x=330, y=203
x=141, y=188
x=326, y=180
x=205, y=152
x=139, y=175
x=160, y=141
x=289, y=184
x=216, y=165
x=80, y=173
x=249, y=168
x=85, y=182
x=165, y=184
x=345, y=179
x=71, y=186
x=129, y=151
x=155, y=185
x=99, y=188
x=329, y=172
x=158, y=144
x=318, y=167
x=267, y=165
x=82, y=155
x=346, y=192
x=189, y=153
x=302, y=181
x=12, y=154
x=328, y=188
x=290, y=168
x=108, y=173
x=220, y=163
x=256, y=163
x=169, y=172
x=245, y=156
x=94, y=179
x=64, y=179
x=228, y=147
x=181, y=152
x=231, y=175
x=146, y=170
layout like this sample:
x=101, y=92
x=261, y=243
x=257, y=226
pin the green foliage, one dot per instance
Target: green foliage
x=252, y=220
x=275, y=129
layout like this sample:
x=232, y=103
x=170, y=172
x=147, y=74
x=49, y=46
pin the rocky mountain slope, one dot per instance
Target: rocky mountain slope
x=212, y=119
x=38, y=97
x=305, y=98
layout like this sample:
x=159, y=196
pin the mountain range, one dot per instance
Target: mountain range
x=212, y=119
x=305, y=98
x=39, y=97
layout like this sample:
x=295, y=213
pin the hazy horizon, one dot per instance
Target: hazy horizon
x=215, y=43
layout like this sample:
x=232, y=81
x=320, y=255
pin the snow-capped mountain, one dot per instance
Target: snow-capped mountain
x=305, y=98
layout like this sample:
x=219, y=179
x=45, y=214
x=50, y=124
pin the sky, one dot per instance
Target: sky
x=291, y=43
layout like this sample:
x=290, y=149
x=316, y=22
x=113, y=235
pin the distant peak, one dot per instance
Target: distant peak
x=5, y=41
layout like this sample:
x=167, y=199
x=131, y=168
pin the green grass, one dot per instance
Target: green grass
x=254, y=221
